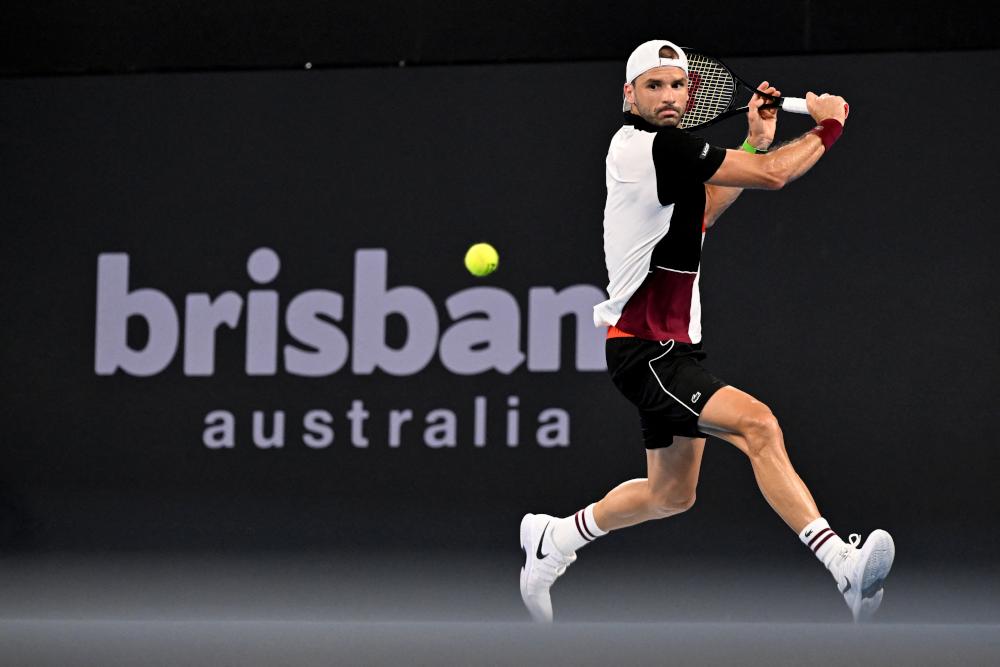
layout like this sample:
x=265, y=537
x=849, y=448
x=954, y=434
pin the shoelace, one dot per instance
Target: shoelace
x=548, y=572
x=849, y=549
x=853, y=540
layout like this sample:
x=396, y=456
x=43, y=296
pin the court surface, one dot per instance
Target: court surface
x=441, y=608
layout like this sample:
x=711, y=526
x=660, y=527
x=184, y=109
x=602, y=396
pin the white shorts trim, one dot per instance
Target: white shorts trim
x=670, y=347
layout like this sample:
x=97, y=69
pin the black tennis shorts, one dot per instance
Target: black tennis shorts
x=666, y=382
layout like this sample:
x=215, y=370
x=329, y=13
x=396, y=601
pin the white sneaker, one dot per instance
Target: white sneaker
x=543, y=564
x=860, y=572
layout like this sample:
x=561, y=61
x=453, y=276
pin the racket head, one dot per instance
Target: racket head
x=712, y=92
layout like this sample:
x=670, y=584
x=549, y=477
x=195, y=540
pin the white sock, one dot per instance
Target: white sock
x=573, y=532
x=823, y=542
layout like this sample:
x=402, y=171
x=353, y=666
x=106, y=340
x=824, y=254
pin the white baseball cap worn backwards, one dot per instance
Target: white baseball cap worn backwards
x=647, y=56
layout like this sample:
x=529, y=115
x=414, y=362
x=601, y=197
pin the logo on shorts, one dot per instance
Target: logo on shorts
x=695, y=397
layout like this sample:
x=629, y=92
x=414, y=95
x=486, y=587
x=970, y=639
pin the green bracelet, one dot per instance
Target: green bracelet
x=750, y=148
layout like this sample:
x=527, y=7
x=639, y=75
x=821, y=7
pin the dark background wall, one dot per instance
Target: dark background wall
x=859, y=303
x=56, y=36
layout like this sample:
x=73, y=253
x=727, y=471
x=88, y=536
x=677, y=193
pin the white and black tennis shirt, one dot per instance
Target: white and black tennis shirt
x=654, y=226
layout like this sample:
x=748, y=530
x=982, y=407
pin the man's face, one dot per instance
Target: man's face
x=659, y=96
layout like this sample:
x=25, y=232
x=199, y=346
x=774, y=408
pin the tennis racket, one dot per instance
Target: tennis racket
x=714, y=91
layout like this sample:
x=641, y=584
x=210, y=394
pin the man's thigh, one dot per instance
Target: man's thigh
x=666, y=382
x=677, y=465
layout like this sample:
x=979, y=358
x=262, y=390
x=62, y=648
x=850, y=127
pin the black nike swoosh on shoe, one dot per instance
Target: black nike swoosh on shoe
x=847, y=587
x=538, y=552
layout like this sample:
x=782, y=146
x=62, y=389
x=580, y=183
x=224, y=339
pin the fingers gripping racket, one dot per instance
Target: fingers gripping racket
x=714, y=91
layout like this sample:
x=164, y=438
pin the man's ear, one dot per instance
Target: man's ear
x=629, y=92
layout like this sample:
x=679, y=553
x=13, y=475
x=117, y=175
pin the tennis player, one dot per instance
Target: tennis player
x=665, y=188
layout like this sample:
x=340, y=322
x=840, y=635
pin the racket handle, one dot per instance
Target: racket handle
x=794, y=105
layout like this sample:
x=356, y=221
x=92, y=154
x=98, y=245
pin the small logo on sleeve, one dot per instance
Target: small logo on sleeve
x=695, y=397
x=704, y=152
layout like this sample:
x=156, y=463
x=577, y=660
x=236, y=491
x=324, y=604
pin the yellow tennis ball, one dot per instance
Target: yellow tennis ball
x=481, y=259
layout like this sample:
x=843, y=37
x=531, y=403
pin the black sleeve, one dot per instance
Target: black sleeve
x=682, y=160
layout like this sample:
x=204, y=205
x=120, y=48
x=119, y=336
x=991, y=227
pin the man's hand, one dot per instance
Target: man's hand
x=826, y=106
x=762, y=122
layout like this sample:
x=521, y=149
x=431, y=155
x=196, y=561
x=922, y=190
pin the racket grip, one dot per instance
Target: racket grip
x=794, y=105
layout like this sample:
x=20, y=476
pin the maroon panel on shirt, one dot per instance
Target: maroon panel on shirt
x=661, y=308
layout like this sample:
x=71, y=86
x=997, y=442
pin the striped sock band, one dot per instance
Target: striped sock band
x=821, y=540
x=573, y=532
x=587, y=525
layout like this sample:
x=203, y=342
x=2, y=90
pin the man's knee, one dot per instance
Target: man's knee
x=760, y=429
x=672, y=501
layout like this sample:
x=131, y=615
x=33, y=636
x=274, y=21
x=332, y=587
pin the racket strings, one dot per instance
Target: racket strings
x=711, y=89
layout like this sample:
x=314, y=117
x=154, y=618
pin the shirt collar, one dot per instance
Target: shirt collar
x=640, y=123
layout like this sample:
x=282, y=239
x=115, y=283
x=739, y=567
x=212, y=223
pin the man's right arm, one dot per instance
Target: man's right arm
x=772, y=171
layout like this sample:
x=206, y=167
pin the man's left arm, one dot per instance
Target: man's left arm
x=762, y=124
